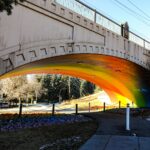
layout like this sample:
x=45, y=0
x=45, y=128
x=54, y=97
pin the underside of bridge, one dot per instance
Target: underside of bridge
x=122, y=80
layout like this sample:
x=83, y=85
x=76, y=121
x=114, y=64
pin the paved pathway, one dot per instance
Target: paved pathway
x=111, y=133
x=115, y=142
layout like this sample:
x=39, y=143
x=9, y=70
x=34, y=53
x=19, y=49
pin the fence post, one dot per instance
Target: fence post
x=128, y=117
x=132, y=104
x=53, y=109
x=89, y=107
x=76, y=109
x=119, y=104
x=104, y=106
x=20, y=109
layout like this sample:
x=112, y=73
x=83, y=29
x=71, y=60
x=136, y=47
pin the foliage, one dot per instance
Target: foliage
x=88, y=88
x=61, y=87
x=7, y=5
x=52, y=88
x=20, y=88
x=75, y=87
x=12, y=88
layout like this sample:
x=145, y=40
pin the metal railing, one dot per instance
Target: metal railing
x=90, y=13
x=78, y=7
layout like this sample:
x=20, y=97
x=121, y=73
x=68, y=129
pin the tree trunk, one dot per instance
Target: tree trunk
x=69, y=88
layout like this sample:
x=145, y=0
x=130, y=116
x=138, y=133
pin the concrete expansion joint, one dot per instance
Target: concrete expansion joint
x=138, y=143
x=107, y=142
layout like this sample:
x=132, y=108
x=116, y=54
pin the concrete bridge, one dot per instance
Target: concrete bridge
x=45, y=36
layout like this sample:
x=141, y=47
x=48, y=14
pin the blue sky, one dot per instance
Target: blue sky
x=113, y=10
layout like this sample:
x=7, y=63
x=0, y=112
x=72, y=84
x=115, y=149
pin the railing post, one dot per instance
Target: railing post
x=76, y=109
x=104, y=106
x=144, y=43
x=53, y=109
x=128, y=117
x=95, y=18
x=20, y=109
x=89, y=107
x=119, y=104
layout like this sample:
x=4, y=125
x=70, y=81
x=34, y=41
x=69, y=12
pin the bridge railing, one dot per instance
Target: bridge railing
x=107, y=23
x=147, y=45
x=90, y=13
x=137, y=39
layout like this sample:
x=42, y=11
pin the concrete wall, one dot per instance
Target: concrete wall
x=27, y=26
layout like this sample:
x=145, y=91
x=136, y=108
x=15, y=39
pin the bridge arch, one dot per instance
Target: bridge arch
x=121, y=79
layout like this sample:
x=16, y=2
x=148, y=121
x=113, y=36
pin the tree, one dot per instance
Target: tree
x=55, y=85
x=12, y=88
x=60, y=87
x=33, y=89
x=87, y=88
x=75, y=87
x=7, y=5
x=21, y=89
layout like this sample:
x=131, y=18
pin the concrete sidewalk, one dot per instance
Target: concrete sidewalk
x=115, y=142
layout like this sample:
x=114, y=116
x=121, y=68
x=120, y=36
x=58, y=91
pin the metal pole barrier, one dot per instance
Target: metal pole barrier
x=20, y=109
x=104, y=106
x=132, y=104
x=76, y=109
x=128, y=117
x=89, y=107
x=119, y=104
x=53, y=109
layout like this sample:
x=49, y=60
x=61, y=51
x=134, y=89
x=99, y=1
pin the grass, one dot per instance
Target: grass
x=83, y=103
x=34, y=138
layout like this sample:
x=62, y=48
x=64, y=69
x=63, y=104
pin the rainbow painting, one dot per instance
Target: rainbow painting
x=121, y=79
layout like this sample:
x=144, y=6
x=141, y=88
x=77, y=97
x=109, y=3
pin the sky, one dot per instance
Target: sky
x=139, y=24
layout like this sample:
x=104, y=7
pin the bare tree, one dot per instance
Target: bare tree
x=21, y=89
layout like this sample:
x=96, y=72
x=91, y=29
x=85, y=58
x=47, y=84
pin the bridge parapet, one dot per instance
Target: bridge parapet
x=95, y=16
x=132, y=49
